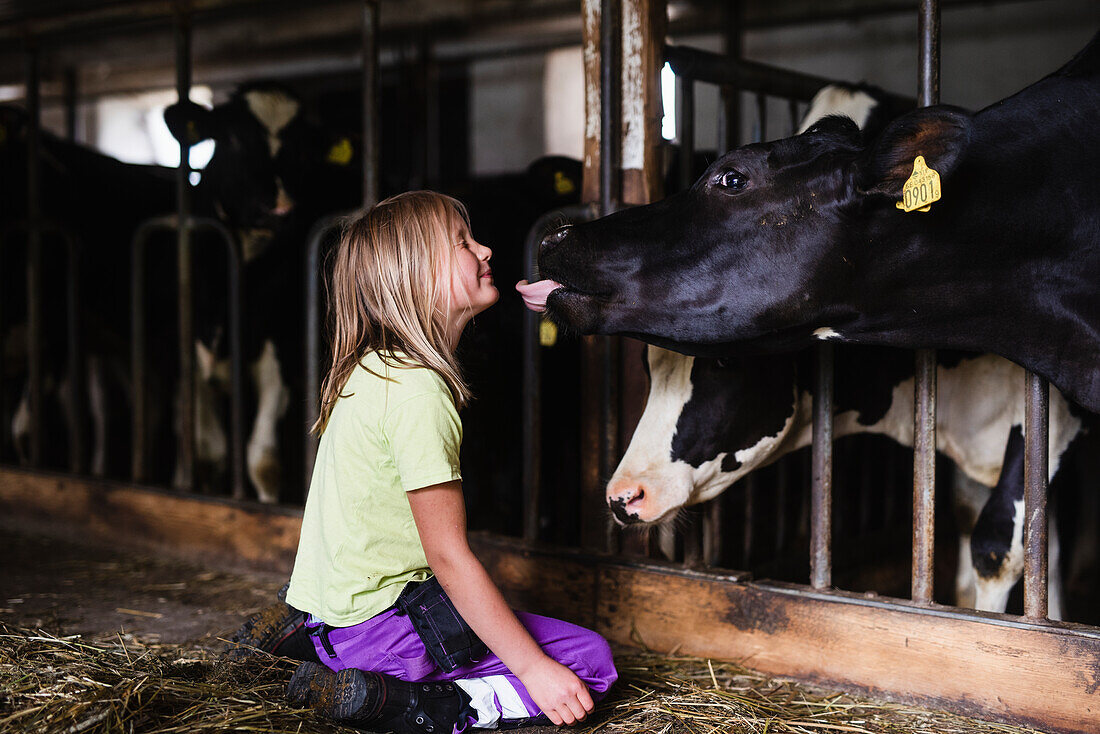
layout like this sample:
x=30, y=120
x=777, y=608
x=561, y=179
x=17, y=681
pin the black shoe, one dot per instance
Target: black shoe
x=280, y=630
x=380, y=702
x=312, y=685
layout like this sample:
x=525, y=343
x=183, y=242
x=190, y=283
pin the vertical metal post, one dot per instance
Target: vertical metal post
x=186, y=451
x=70, y=102
x=34, y=254
x=730, y=107
x=430, y=88
x=792, y=109
x=686, y=127
x=1036, y=446
x=761, y=118
x=75, y=356
x=610, y=131
x=370, y=102
x=532, y=399
x=137, y=354
x=821, y=484
x=924, y=409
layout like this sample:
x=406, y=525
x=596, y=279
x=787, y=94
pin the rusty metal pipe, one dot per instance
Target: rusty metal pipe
x=1036, y=472
x=34, y=254
x=186, y=450
x=924, y=408
x=821, y=485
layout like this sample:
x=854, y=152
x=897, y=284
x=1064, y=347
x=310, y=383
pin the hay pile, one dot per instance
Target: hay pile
x=71, y=685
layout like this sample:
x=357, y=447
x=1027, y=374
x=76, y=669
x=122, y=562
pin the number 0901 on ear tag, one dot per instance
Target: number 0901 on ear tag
x=922, y=189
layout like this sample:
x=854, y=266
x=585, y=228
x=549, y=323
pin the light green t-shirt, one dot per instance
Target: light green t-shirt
x=359, y=545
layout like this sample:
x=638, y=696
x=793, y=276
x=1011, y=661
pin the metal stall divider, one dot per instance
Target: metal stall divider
x=693, y=65
x=172, y=222
x=325, y=226
x=532, y=367
x=35, y=227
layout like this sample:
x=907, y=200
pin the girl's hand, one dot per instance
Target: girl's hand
x=557, y=691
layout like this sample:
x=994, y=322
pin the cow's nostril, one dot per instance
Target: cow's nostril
x=555, y=237
x=637, y=497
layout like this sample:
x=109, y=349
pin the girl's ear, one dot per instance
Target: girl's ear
x=941, y=134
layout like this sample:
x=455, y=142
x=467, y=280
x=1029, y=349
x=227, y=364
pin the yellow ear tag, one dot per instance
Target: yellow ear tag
x=563, y=184
x=548, y=333
x=922, y=189
x=340, y=153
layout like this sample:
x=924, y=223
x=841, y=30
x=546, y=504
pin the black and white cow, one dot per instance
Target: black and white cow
x=781, y=243
x=274, y=172
x=100, y=201
x=709, y=422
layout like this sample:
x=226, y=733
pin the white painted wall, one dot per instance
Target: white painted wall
x=527, y=107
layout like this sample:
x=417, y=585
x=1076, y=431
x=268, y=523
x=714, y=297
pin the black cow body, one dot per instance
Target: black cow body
x=708, y=423
x=781, y=243
x=100, y=201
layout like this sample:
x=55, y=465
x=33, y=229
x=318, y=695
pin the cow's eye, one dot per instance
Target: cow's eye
x=734, y=180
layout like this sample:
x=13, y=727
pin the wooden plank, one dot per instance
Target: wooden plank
x=993, y=666
x=257, y=535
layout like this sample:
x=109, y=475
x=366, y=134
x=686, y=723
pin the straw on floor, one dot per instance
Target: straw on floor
x=68, y=684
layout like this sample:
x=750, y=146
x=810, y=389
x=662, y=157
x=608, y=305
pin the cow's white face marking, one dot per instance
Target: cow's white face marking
x=669, y=484
x=272, y=398
x=992, y=591
x=825, y=332
x=274, y=110
x=834, y=100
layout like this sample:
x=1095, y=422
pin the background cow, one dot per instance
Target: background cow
x=708, y=423
x=100, y=201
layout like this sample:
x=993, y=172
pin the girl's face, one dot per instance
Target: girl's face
x=471, y=282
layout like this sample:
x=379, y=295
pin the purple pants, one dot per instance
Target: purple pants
x=387, y=643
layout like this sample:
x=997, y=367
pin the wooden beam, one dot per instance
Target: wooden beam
x=992, y=666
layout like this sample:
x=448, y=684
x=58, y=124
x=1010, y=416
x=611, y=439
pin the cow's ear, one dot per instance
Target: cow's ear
x=189, y=123
x=941, y=134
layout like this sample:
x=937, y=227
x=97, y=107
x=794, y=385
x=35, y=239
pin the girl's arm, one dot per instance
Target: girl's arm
x=440, y=514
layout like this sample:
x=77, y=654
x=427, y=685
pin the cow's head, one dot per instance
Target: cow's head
x=268, y=158
x=707, y=423
x=771, y=242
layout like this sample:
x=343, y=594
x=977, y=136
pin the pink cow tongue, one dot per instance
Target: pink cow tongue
x=535, y=294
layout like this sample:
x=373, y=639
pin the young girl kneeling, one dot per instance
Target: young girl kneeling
x=394, y=601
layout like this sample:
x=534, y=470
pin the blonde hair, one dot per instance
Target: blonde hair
x=386, y=293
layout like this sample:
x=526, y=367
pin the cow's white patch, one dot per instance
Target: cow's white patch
x=834, y=100
x=825, y=332
x=272, y=398
x=21, y=427
x=274, y=110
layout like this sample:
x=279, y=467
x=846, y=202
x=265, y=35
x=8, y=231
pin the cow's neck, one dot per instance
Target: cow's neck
x=1009, y=260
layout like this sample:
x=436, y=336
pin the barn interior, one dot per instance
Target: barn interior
x=481, y=99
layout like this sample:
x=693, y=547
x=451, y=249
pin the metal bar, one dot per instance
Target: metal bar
x=1036, y=471
x=185, y=457
x=924, y=408
x=430, y=89
x=821, y=482
x=686, y=128
x=792, y=110
x=68, y=81
x=139, y=414
x=532, y=370
x=610, y=130
x=75, y=355
x=34, y=255
x=371, y=124
x=321, y=229
x=730, y=108
x=748, y=526
x=761, y=118
x=138, y=350
x=748, y=76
